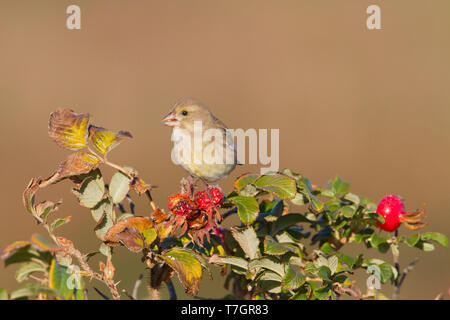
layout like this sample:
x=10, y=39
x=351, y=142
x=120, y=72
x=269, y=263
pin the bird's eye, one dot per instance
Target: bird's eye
x=184, y=113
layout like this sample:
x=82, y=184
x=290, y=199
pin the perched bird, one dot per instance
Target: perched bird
x=203, y=153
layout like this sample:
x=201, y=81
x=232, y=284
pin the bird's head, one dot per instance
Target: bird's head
x=185, y=112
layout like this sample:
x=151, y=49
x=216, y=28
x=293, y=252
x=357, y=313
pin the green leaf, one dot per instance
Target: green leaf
x=104, y=206
x=272, y=247
x=348, y=211
x=3, y=294
x=293, y=279
x=316, y=204
x=322, y=293
x=327, y=248
x=26, y=269
x=247, y=208
x=30, y=290
x=125, y=216
x=248, y=241
x=25, y=254
x=267, y=206
x=187, y=267
x=279, y=184
x=149, y=235
x=107, y=219
x=377, y=217
x=234, y=261
x=41, y=243
x=290, y=173
x=386, y=272
x=300, y=199
x=119, y=187
x=435, y=236
x=324, y=273
x=339, y=187
x=376, y=240
x=286, y=221
x=59, y=222
x=425, y=246
x=92, y=190
x=269, y=263
x=66, y=281
x=273, y=208
x=105, y=250
x=333, y=263
x=353, y=198
x=244, y=180
x=301, y=294
x=413, y=239
x=267, y=275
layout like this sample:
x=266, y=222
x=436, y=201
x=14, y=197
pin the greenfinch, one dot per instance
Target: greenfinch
x=203, y=145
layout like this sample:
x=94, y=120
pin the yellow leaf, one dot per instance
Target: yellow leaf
x=69, y=129
x=104, y=140
x=187, y=267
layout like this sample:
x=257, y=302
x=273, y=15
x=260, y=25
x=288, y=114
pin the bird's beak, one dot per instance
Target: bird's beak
x=171, y=120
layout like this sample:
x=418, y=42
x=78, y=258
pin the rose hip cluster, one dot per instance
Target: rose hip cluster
x=206, y=200
x=197, y=214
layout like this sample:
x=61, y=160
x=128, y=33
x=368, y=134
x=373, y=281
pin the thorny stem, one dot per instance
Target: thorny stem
x=85, y=266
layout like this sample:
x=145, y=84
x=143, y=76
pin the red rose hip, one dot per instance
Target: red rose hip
x=203, y=200
x=216, y=195
x=392, y=209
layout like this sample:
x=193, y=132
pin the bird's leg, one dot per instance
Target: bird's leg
x=187, y=186
x=205, y=183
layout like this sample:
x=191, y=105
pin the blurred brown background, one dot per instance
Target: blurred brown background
x=371, y=106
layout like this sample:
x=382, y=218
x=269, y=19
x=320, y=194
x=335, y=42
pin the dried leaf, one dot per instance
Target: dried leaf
x=104, y=140
x=64, y=242
x=42, y=209
x=76, y=164
x=108, y=269
x=131, y=238
x=140, y=186
x=69, y=129
x=140, y=223
x=158, y=216
x=28, y=195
